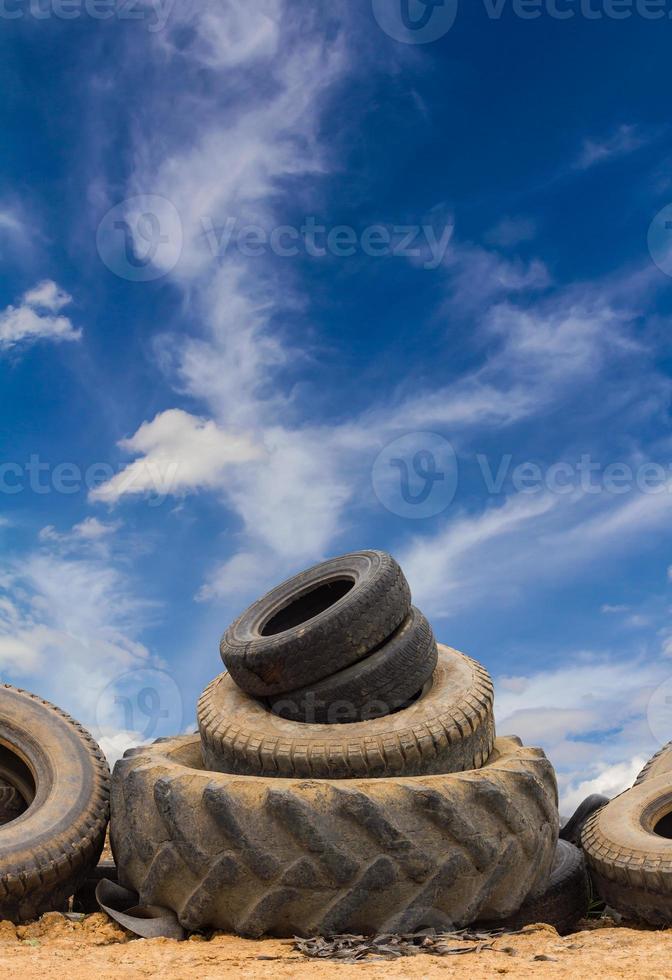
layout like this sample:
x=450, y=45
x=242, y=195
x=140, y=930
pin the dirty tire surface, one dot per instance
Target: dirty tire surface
x=317, y=623
x=450, y=728
x=48, y=850
x=659, y=765
x=631, y=864
x=565, y=899
x=288, y=857
x=373, y=687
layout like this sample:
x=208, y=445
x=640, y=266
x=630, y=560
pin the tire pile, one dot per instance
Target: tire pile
x=346, y=777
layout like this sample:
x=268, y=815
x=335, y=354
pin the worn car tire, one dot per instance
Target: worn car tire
x=289, y=857
x=449, y=728
x=628, y=846
x=373, y=687
x=47, y=851
x=317, y=623
x=564, y=901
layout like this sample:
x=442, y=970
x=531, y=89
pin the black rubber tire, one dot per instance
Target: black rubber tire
x=565, y=900
x=317, y=628
x=47, y=852
x=571, y=830
x=287, y=857
x=449, y=728
x=373, y=687
x=629, y=853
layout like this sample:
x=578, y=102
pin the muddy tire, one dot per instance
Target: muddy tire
x=628, y=846
x=316, y=623
x=564, y=901
x=450, y=728
x=288, y=857
x=373, y=687
x=56, y=767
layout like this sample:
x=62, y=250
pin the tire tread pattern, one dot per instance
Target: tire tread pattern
x=321, y=857
x=40, y=879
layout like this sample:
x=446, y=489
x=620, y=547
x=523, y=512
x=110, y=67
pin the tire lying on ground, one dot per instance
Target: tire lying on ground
x=628, y=846
x=48, y=850
x=449, y=728
x=317, y=623
x=572, y=829
x=375, y=686
x=288, y=857
x=565, y=899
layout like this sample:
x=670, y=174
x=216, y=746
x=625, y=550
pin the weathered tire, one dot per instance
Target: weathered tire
x=373, y=687
x=564, y=901
x=287, y=856
x=317, y=623
x=658, y=765
x=629, y=860
x=47, y=851
x=573, y=828
x=450, y=728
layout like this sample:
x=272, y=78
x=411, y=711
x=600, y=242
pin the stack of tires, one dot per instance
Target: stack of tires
x=345, y=778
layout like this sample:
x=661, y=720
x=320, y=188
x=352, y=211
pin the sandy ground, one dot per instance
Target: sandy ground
x=95, y=947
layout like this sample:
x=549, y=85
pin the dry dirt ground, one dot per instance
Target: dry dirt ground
x=95, y=947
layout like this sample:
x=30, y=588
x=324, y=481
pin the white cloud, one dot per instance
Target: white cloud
x=589, y=715
x=47, y=295
x=223, y=34
x=610, y=780
x=179, y=453
x=624, y=140
x=35, y=319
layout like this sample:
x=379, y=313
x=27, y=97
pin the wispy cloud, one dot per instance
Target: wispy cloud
x=626, y=139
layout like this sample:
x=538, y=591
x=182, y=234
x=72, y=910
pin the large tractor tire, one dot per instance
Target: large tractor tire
x=449, y=728
x=287, y=857
x=628, y=846
x=564, y=901
x=317, y=623
x=62, y=779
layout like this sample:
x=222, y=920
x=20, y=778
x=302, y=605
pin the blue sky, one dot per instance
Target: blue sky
x=259, y=258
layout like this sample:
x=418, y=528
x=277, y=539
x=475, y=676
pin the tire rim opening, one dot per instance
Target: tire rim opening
x=663, y=827
x=308, y=606
x=17, y=786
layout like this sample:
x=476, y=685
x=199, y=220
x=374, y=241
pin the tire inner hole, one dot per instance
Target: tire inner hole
x=17, y=786
x=308, y=606
x=664, y=826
